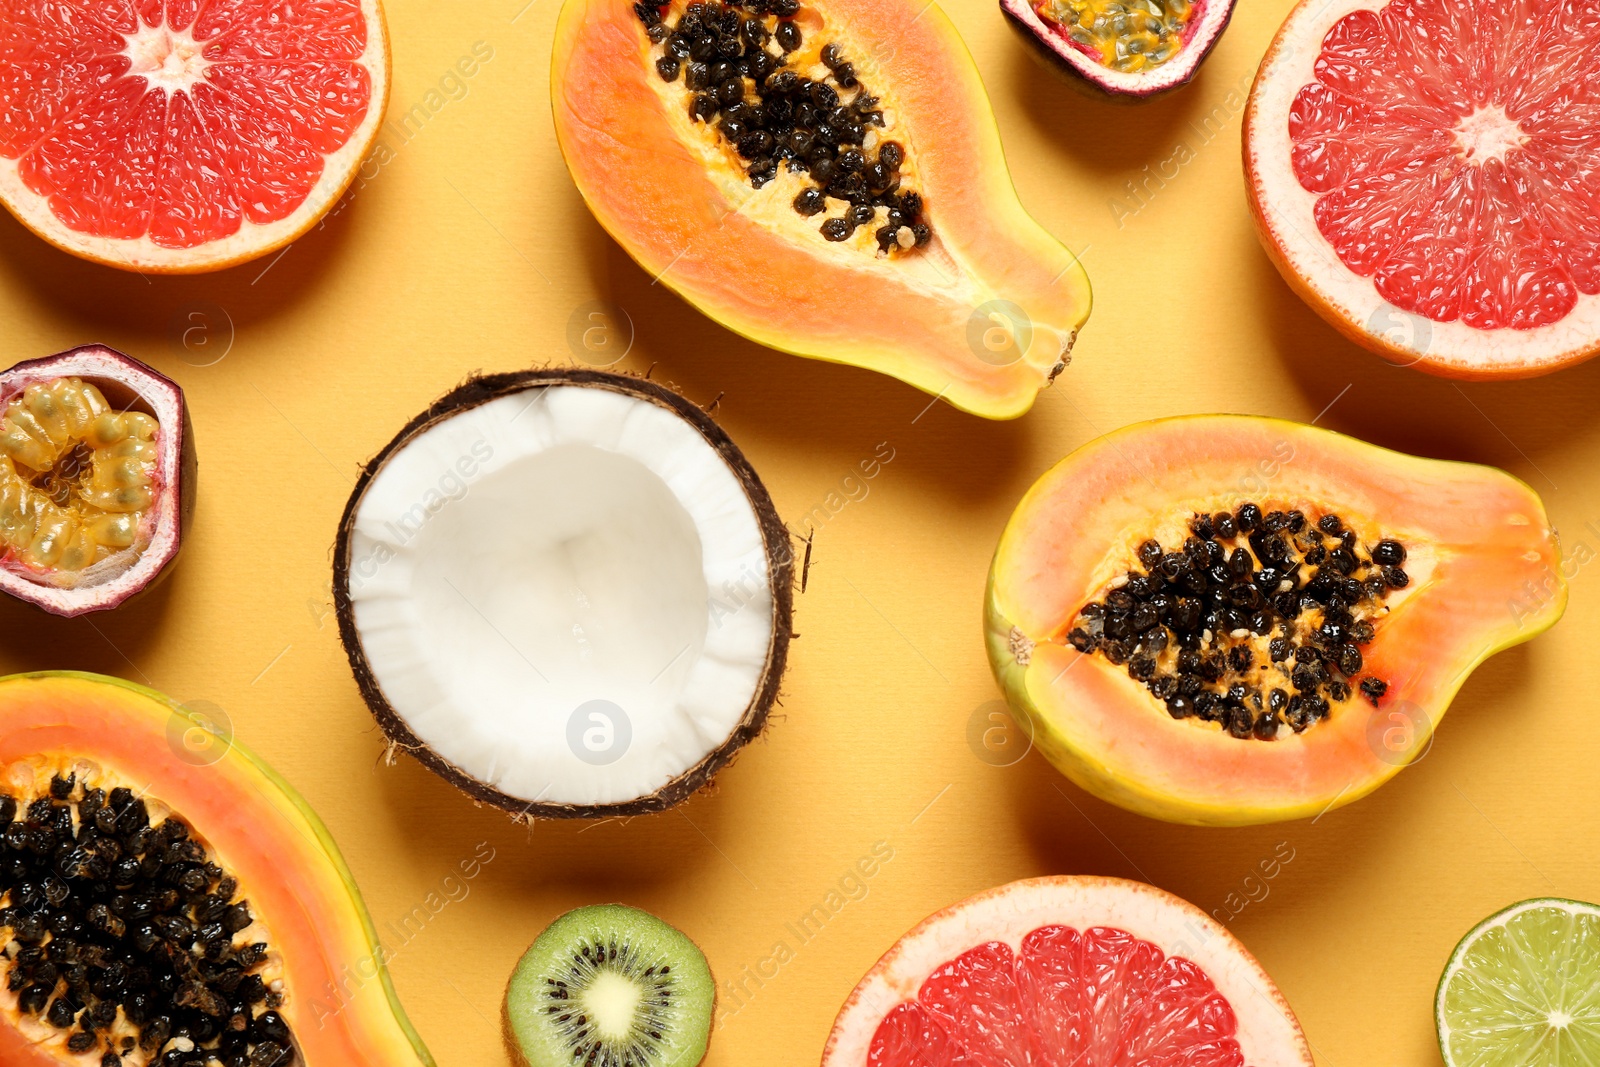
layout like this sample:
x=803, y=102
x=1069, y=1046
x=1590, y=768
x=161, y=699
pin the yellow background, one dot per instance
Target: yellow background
x=470, y=249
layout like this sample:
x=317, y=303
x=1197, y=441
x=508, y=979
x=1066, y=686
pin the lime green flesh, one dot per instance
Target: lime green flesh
x=611, y=986
x=1523, y=989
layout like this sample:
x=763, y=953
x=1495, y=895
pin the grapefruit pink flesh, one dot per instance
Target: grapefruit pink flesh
x=1096, y=998
x=178, y=121
x=1455, y=151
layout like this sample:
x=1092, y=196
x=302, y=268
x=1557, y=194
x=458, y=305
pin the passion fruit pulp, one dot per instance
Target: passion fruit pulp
x=97, y=473
x=1125, y=37
x=1126, y=49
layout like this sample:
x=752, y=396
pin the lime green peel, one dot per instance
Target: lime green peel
x=1522, y=989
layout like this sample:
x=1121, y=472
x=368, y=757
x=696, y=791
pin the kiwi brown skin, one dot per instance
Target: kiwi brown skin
x=508, y=1034
x=780, y=563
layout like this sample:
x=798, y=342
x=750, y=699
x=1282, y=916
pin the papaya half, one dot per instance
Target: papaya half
x=167, y=899
x=824, y=177
x=1229, y=620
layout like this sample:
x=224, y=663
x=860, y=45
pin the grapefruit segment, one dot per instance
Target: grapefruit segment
x=1439, y=161
x=1067, y=972
x=908, y=1037
x=184, y=136
x=1068, y=1000
x=975, y=1000
x=1571, y=212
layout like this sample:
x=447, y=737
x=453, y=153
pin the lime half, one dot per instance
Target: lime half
x=1523, y=989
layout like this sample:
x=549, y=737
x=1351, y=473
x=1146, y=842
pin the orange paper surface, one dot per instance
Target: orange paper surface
x=465, y=246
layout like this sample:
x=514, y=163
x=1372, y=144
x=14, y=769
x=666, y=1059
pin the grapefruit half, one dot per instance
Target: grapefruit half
x=1067, y=972
x=178, y=136
x=1427, y=176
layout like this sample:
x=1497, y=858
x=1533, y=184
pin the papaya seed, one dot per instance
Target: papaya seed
x=1248, y=582
x=770, y=114
x=119, y=916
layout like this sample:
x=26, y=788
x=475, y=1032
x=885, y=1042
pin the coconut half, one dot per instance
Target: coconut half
x=1050, y=41
x=43, y=508
x=565, y=591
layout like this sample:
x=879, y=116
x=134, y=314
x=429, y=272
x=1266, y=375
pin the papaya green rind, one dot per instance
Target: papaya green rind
x=1107, y=734
x=259, y=827
x=698, y=234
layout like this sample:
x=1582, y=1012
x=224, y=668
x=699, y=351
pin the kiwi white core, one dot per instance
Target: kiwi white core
x=564, y=592
x=612, y=1002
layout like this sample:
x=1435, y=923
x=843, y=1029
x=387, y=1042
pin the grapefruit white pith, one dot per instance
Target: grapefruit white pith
x=1067, y=972
x=178, y=136
x=1425, y=176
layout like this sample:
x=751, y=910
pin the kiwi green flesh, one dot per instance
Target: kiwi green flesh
x=610, y=986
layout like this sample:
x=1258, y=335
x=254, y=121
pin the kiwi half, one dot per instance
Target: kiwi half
x=610, y=986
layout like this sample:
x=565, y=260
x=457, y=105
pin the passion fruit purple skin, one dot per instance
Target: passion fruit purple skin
x=1084, y=71
x=126, y=384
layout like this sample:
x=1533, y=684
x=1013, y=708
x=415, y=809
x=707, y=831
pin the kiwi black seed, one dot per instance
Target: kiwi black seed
x=732, y=60
x=1256, y=624
x=610, y=986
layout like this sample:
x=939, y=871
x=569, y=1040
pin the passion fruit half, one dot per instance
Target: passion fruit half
x=566, y=592
x=97, y=477
x=1128, y=49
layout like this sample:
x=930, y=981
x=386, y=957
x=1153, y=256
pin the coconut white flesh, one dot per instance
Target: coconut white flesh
x=517, y=562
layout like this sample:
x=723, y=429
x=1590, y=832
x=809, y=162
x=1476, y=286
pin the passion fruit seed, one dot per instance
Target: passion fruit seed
x=1255, y=624
x=128, y=935
x=1124, y=35
x=76, y=477
x=771, y=113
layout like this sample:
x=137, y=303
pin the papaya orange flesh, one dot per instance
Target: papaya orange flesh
x=962, y=293
x=308, y=955
x=1481, y=571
